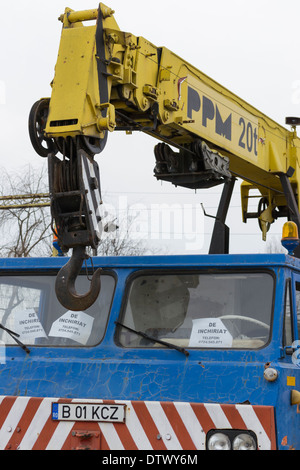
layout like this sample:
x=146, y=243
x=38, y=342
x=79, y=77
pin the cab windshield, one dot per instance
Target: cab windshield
x=29, y=308
x=223, y=310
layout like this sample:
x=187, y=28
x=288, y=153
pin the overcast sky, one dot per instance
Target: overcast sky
x=249, y=47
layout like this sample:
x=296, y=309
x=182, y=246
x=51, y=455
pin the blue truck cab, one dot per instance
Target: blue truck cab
x=178, y=352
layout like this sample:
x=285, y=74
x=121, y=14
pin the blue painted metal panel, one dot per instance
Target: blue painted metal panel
x=108, y=371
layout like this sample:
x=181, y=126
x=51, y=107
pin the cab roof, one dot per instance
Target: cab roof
x=179, y=261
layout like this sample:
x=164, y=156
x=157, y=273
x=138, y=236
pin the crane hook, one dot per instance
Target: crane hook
x=65, y=283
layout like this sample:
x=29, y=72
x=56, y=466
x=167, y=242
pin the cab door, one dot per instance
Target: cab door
x=295, y=326
x=288, y=416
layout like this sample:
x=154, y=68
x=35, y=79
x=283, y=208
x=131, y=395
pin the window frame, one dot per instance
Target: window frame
x=288, y=291
x=43, y=300
x=191, y=271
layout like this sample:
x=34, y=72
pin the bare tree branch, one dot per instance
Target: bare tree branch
x=25, y=231
x=121, y=241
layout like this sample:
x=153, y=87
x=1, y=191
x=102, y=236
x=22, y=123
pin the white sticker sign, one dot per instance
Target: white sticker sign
x=210, y=333
x=28, y=325
x=73, y=325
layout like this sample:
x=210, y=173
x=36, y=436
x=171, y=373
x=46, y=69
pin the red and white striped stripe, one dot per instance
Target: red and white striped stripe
x=26, y=423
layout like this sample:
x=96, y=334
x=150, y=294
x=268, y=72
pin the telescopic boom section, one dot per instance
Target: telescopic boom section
x=107, y=80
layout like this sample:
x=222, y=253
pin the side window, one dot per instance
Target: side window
x=288, y=325
x=298, y=307
x=198, y=310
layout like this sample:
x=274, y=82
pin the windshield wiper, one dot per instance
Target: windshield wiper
x=155, y=340
x=15, y=336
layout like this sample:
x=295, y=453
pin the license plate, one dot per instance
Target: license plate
x=100, y=412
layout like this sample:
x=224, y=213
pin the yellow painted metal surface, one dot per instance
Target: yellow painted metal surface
x=141, y=78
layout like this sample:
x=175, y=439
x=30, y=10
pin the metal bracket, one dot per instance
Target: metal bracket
x=220, y=237
x=85, y=440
